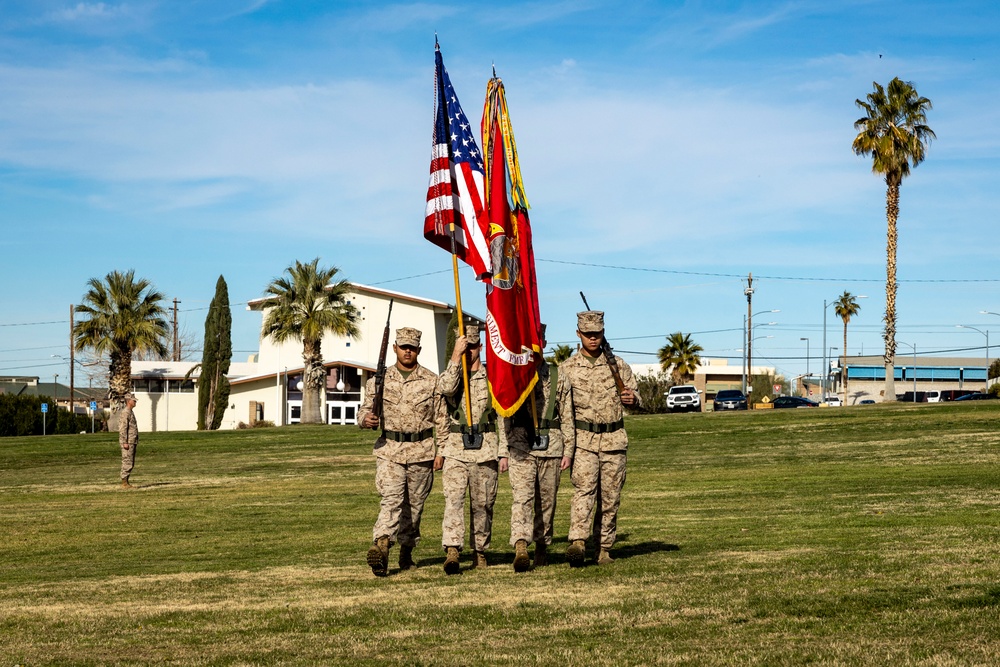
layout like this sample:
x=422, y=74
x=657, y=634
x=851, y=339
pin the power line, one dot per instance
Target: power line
x=788, y=278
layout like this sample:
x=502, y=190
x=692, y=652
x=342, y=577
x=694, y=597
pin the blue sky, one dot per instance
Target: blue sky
x=668, y=149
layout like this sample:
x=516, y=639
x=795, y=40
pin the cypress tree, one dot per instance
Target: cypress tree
x=213, y=385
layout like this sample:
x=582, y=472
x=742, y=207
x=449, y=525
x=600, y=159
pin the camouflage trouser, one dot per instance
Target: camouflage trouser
x=404, y=488
x=128, y=459
x=590, y=469
x=481, y=481
x=534, y=482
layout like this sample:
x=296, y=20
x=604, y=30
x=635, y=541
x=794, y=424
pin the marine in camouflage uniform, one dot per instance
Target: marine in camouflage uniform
x=535, y=464
x=470, y=457
x=128, y=438
x=595, y=439
x=404, y=451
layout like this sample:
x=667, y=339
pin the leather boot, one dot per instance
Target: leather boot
x=604, y=557
x=479, y=561
x=406, y=558
x=451, y=560
x=521, y=561
x=378, y=557
x=125, y=484
x=541, y=554
x=576, y=553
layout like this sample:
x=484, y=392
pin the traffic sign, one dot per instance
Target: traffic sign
x=93, y=405
x=45, y=407
x=777, y=389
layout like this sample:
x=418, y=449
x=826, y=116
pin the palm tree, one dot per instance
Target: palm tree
x=305, y=305
x=681, y=353
x=894, y=132
x=560, y=353
x=124, y=317
x=846, y=307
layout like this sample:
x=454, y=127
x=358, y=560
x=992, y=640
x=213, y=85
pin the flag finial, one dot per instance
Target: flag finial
x=437, y=47
x=494, y=70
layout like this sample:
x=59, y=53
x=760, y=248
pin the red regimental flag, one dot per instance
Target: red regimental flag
x=513, y=342
x=455, y=190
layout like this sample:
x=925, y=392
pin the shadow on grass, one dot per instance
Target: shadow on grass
x=557, y=556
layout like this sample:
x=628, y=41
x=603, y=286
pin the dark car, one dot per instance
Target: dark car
x=794, y=402
x=729, y=399
x=976, y=396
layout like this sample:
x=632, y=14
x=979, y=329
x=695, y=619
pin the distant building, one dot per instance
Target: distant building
x=267, y=385
x=866, y=375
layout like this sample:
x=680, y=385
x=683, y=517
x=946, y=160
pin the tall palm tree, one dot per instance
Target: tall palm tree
x=846, y=306
x=305, y=304
x=894, y=133
x=682, y=354
x=124, y=317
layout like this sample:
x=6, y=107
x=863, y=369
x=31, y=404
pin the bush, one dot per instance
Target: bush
x=22, y=415
x=995, y=390
x=263, y=423
x=652, y=390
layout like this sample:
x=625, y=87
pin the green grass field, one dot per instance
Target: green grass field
x=852, y=536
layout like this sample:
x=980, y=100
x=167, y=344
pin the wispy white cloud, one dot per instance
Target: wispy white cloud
x=88, y=11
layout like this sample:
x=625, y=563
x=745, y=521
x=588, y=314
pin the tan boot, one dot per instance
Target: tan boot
x=406, y=558
x=125, y=484
x=521, y=561
x=479, y=560
x=541, y=554
x=378, y=557
x=451, y=560
x=576, y=553
x=604, y=557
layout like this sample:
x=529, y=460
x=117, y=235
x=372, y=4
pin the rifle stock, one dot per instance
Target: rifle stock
x=377, y=403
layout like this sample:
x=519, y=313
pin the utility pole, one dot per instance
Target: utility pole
x=72, y=361
x=177, y=346
x=749, y=292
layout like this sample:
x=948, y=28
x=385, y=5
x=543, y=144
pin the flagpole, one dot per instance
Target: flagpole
x=461, y=325
x=439, y=90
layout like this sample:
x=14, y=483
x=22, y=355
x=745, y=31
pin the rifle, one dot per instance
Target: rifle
x=377, y=408
x=609, y=355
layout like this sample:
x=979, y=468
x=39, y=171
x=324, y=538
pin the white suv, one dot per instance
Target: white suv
x=683, y=397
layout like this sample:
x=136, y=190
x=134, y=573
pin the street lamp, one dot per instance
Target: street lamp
x=748, y=337
x=987, y=334
x=807, y=357
x=826, y=369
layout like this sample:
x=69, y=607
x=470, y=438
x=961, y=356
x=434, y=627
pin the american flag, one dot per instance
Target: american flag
x=455, y=190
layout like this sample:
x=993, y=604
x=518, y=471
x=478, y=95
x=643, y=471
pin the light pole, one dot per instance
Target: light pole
x=807, y=359
x=987, y=334
x=826, y=369
x=748, y=337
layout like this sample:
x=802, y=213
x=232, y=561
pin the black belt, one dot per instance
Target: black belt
x=488, y=427
x=399, y=436
x=600, y=428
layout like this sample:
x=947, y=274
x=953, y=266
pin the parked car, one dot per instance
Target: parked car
x=833, y=401
x=866, y=401
x=683, y=397
x=976, y=396
x=729, y=399
x=794, y=402
x=933, y=396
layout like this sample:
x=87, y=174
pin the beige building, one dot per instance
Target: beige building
x=268, y=385
x=712, y=376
